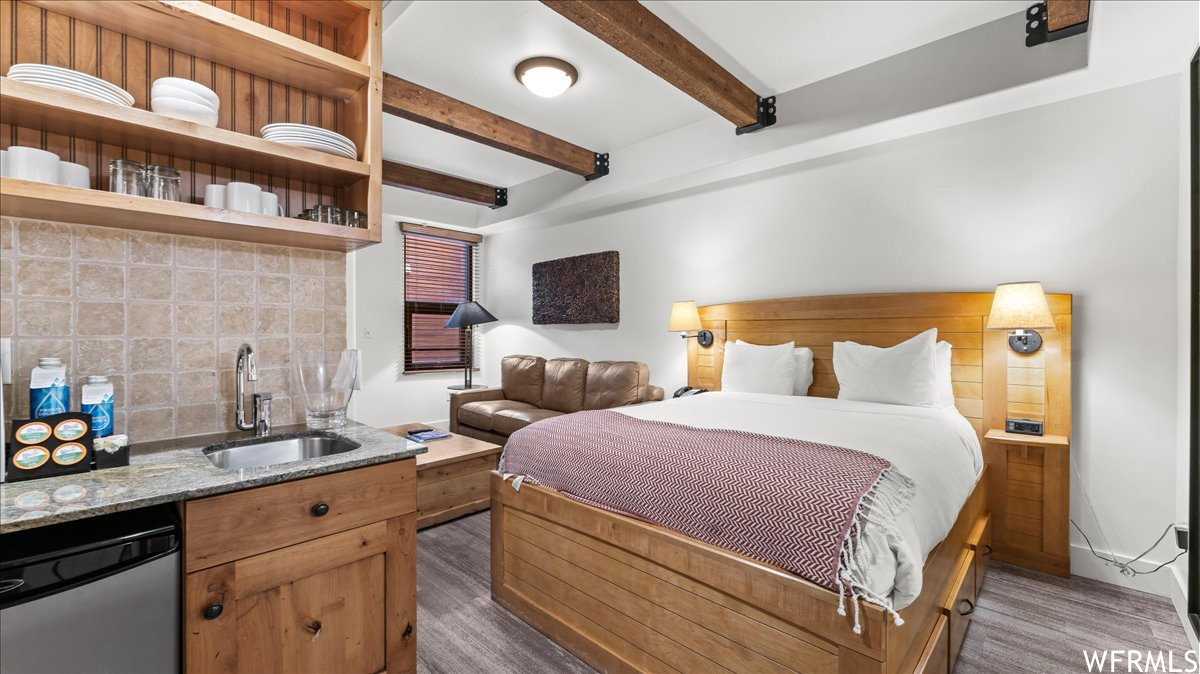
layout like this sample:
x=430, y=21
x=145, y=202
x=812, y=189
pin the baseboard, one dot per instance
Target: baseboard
x=1084, y=563
x=1178, y=582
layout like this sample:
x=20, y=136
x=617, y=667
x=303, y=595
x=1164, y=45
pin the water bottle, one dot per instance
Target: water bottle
x=96, y=399
x=49, y=393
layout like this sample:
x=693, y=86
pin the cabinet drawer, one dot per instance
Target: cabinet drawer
x=960, y=604
x=233, y=526
x=935, y=659
x=981, y=542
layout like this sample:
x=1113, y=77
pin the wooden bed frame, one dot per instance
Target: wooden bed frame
x=623, y=595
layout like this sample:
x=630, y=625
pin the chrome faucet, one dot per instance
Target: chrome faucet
x=246, y=370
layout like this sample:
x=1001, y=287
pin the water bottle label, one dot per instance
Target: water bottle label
x=45, y=402
x=102, y=417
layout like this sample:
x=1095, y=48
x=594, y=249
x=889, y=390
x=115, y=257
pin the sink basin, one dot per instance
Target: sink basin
x=274, y=449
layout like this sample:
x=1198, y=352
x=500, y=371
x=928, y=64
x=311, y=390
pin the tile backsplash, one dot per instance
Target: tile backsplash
x=163, y=316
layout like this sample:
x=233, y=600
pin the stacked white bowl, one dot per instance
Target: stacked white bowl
x=184, y=99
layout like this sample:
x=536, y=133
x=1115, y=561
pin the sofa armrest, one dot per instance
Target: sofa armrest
x=459, y=398
x=653, y=393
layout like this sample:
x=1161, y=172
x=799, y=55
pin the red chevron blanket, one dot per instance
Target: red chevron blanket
x=794, y=504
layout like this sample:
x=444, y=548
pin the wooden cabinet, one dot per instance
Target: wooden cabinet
x=1034, y=474
x=453, y=477
x=341, y=598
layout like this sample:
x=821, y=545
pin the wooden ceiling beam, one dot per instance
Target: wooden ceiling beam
x=439, y=111
x=635, y=31
x=443, y=185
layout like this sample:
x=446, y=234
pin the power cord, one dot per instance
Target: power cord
x=1125, y=567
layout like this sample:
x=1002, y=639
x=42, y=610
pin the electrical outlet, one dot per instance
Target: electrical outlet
x=6, y=365
x=1181, y=537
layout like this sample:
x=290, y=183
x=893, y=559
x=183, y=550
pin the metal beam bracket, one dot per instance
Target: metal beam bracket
x=601, y=167
x=1037, y=28
x=766, y=116
x=501, y=197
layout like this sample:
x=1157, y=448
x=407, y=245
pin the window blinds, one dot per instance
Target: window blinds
x=439, y=274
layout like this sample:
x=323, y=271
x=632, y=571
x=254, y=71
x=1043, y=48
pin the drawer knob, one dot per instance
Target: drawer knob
x=969, y=607
x=213, y=611
x=320, y=510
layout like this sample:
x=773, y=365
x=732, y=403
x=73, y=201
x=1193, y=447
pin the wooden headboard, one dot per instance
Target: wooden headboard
x=990, y=380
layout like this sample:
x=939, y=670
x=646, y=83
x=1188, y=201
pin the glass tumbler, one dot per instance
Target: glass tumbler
x=163, y=182
x=126, y=176
x=354, y=219
x=325, y=380
x=326, y=213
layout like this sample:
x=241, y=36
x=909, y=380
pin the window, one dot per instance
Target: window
x=439, y=274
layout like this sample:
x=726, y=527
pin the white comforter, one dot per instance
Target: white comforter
x=936, y=448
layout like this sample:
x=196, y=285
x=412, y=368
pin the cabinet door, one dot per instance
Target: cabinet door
x=341, y=603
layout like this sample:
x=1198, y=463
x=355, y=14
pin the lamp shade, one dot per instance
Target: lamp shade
x=469, y=313
x=684, y=317
x=1020, y=306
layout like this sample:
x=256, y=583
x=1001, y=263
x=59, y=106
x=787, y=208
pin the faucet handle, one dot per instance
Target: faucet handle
x=262, y=413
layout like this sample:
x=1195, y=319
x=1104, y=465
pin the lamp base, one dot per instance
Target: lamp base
x=1025, y=341
x=464, y=387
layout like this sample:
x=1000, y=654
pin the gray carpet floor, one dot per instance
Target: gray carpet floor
x=1026, y=621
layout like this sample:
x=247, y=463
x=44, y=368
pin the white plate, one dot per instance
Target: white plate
x=319, y=147
x=168, y=91
x=284, y=127
x=312, y=141
x=71, y=87
x=282, y=137
x=187, y=110
x=193, y=88
x=72, y=75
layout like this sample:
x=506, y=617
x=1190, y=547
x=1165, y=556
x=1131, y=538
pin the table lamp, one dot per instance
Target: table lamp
x=685, y=318
x=466, y=316
x=1022, y=308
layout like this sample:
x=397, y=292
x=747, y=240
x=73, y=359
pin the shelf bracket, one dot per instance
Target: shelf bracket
x=501, y=197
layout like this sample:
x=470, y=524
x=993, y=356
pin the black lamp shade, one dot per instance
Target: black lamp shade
x=469, y=313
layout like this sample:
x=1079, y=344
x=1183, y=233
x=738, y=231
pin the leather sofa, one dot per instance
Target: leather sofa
x=533, y=388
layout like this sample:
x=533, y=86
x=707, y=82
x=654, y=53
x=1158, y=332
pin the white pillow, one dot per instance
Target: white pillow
x=804, y=369
x=945, y=387
x=901, y=375
x=750, y=368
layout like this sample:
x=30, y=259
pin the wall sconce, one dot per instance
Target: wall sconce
x=686, y=318
x=1022, y=308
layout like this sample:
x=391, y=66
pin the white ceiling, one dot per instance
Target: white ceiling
x=468, y=50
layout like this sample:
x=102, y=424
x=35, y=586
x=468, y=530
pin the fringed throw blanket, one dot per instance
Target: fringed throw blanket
x=798, y=505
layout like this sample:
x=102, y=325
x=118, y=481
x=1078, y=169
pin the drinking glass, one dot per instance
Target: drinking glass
x=163, y=182
x=126, y=176
x=325, y=380
x=354, y=219
x=326, y=213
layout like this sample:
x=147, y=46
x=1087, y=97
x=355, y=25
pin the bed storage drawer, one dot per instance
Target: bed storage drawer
x=960, y=603
x=241, y=524
x=980, y=542
x=935, y=659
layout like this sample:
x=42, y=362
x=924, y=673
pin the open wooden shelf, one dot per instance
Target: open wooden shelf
x=999, y=435
x=25, y=199
x=208, y=32
x=57, y=111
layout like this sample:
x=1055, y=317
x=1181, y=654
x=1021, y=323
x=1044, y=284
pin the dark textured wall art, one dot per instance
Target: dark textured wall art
x=579, y=289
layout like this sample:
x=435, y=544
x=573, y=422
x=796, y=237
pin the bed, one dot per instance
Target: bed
x=627, y=595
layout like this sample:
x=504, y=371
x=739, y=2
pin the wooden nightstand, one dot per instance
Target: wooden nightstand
x=1035, y=476
x=453, y=477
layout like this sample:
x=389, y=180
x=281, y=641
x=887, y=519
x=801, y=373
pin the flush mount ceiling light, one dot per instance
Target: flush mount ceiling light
x=546, y=76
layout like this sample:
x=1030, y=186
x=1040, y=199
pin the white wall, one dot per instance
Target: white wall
x=376, y=290
x=1081, y=194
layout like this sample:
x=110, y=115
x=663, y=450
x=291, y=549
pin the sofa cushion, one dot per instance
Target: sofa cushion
x=563, y=388
x=508, y=422
x=481, y=413
x=521, y=378
x=615, y=383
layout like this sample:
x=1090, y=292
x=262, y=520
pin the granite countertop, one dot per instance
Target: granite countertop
x=177, y=470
